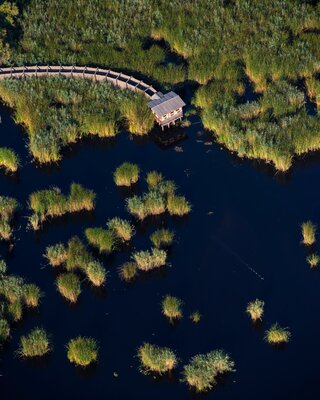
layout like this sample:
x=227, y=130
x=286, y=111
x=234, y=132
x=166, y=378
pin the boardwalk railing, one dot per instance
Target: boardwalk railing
x=118, y=79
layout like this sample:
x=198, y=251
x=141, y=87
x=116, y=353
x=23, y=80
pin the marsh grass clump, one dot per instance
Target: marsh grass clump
x=162, y=237
x=35, y=344
x=77, y=254
x=154, y=203
x=156, y=359
x=255, y=309
x=82, y=351
x=136, y=206
x=52, y=203
x=4, y=330
x=15, y=310
x=277, y=335
x=31, y=295
x=195, y=317
x=128, y=271
x=69, y=286
x=178, y=205
x=126, y=174
x=122, y=228
x=203, y=369
x=8, y=207
x=153, y=179
x=9, y=159
x=313, y=260
x=308, y=233
x=172, y=307
x=96, y=273
x=147, y=260
x=167, y=188
x=104, y=240
x=56, y=254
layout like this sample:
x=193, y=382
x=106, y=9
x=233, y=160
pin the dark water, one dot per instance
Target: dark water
x=249, y=247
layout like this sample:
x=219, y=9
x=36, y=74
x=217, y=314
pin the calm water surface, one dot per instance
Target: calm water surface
x=241, y=241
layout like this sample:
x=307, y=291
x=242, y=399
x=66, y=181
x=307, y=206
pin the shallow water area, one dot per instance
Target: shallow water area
x=240, y=242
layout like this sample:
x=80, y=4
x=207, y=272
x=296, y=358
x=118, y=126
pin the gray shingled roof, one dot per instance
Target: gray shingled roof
x=167, y=103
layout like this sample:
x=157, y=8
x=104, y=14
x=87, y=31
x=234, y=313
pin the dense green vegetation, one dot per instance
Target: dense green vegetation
x=35, y=344
x=58, y=111
x=50, y=203
x=9, y=159
x=277, y=335
x=82, y=351
x=172, y=307
x=308, y=230
x=8, y=207
x=126, y=174
x=255, y=309
x=156, y=359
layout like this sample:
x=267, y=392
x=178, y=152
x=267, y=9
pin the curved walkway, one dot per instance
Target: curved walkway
x=118, y=79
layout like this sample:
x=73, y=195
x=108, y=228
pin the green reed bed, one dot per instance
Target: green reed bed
x=172, y=308
x=31, y=294
x=51, y=203
x=150, y=259
x=154, y=179
x=82, y=351
x=104, y=240
x=155, y=359
x=4, y=330
x=128, y=271
x=8, y=208
x=35, y=344
x=69, y=286
x=162, y=237
x=277, y=335
x=178, y=205
x=121, y=228
x=56, y=254
x=95, y=273
x=9, y=160
x=203, y=369
x=126, y=174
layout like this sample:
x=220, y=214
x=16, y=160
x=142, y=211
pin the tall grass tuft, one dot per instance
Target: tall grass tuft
x=31, y=294
x=178, y=205
x=255, y=309
x=104, y=240
x=147, y=260
x=35, y=344
x=308, y=233
x=56, y=254
x=8, y=207
x=153, y=179
x=277, y=335
x=154, y=203
x=128, y=271
x=313, y=260
x=4, y=330
x=203, y=369
x=122, y=228
x=136, y=207
x=82, y=351
x=15, y=310
x=162, y=237
x=156, y=359
x=172, y=307
x=68, y=285
x=126, y=174
x=195, y=317
x=9, y=159
x=96, y=273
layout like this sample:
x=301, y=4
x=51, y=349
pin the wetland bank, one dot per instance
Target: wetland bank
x=151, y=265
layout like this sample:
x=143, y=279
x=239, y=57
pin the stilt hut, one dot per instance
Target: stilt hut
x=166, y=108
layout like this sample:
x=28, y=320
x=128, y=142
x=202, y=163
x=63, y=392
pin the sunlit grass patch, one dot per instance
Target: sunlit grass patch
x=82, y=351
x=172, y=307
x=104, y=240
x=31, y=294
x=277, y=335
x=156, y=359
x=154, y=203
x=178, y=205
x=153, y=179
x=128, y=271
x=162, y=237
x=8, y=207
x=77, y=254
x=255, y=309
x=96, y=273
x=195, y=317
x=126, y=174
x=56, y=254
x=68, y=285
x=147, y=260
x=9, y=159
x=136, y=206
x=15, y=310
x=313, y=260
x=308, y=233
x=4, y=330
x=35, y=344
x=121, y=227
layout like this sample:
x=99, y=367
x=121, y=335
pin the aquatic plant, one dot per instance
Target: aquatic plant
x=8, y=207
x=195, y=317
x=136, y=207
x=313, y=260
x=153, y=179
x=147, y=260
x=154, y=203
x=68, y=285
x=15, y=310
x=56, y=254
x=96, y=273
x=82, y=351
x=77, y=254
x=128, y=271
x=121, y=227
x=162, y=237
x=4, y=330
x=308, y=233
x=178, y=205
x=35, y=344
x=203, y=369
x=9, y=159
x=31, y=294
x=104, y=240
x=126, y=174
x=172, y=307
x=80, y=198
x=277, y=335
x=156, y=359
x=167, y=188
x=255, y=309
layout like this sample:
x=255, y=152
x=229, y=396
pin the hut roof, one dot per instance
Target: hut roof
x=165, y=103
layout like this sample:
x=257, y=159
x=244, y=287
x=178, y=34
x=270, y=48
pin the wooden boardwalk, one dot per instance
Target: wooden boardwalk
x=118, y=79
